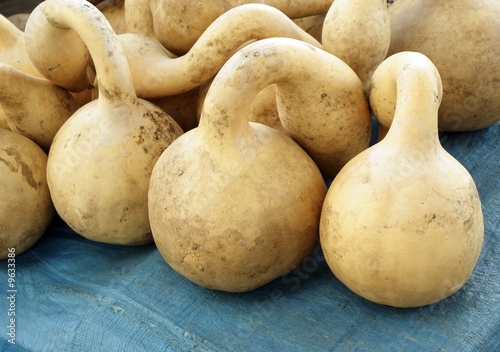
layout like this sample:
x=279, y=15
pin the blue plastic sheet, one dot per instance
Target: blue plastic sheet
x=77, y=295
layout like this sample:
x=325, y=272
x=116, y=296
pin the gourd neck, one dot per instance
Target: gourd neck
x=236, y=27
x=282, y=61
x=418, y=92
x=113, y=74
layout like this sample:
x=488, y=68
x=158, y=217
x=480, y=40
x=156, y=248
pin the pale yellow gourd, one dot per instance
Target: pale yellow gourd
x=101, y=159
x=157, y=72
x=401, y=224
x=359, y=33
x=26, y=208
x=67, y=62
x=33, y=106
x=12, y=48
x=234, y=205
x=13, y=52
x=461, y=37
x=179, y=23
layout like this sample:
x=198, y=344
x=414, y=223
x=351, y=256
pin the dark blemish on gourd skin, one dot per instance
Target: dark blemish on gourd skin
x=25, y=169
x=163, y=130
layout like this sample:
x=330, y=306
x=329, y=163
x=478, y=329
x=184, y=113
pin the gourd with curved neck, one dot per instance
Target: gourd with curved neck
x=179, y=24
x=101, y=159
x=461, y=38
x=157, y=72
x=320, y=100
x=401, y=223
x=26, y=208
x=359, y=33
x=234, y=205
x=33, y=106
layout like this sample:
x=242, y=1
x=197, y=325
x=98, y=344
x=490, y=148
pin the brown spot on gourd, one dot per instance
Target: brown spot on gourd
x=20, y=164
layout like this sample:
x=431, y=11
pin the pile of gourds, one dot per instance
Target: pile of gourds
x=209, y=128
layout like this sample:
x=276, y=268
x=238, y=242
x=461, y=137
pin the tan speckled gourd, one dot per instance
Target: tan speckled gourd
x=179, y=23
x=101, y=159
x=34, y=106
x=462, y=38
x=359, y=33
x=26, y=208
x=402, y=224
x=234, y=205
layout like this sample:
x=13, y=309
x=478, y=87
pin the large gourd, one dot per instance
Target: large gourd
x=26, y=208
x=234, y=205
x=402, y=224
x=101, y=159
x=461, y=38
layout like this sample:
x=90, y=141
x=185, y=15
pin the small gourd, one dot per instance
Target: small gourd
x=26, y=208
x=359, y=33
x=462, y=38
x=401, y=223
x=179, y=23
x=34, y=106
x=101, y=159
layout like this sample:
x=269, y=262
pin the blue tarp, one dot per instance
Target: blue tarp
x=77, y=295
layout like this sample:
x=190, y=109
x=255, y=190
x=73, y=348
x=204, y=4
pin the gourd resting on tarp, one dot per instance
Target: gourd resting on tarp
x=101, y=159
x=234, y=205
x=402, y=224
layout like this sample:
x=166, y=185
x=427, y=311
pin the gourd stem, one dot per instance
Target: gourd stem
x=113, y=73
x=419, y=93
x=219, y=41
